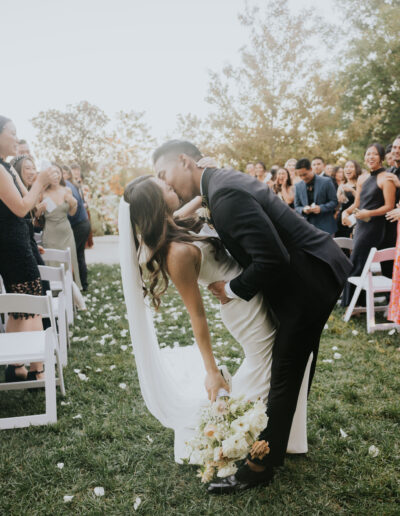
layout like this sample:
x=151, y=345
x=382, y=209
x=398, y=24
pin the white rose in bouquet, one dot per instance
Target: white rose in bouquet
x=228, y=470
x=235, y=447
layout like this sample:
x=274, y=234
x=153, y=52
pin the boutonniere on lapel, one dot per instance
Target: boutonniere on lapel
x=204, y=212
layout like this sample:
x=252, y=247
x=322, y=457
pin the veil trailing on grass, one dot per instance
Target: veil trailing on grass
x=171, y=380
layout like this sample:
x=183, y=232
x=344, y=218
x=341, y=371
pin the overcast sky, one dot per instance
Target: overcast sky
x=145, y=55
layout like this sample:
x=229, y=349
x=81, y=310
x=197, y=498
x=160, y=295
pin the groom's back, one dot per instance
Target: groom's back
x=293, y=230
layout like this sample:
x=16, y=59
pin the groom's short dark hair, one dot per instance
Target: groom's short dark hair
x=303, y=163
x=177, y=147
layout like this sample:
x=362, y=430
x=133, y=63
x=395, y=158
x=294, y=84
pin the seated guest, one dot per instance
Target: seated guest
x=57, y=232
x=315, y=198
x=283, y=187
x=346, y=194
x=375, y=196
x=80, y=222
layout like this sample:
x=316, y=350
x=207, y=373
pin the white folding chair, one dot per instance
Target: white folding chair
x=56, y=274
x=344, y=243
x=32, y=346
x=63, y=256
x=372, y=284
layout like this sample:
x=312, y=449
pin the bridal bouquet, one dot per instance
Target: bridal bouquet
x=226, y=433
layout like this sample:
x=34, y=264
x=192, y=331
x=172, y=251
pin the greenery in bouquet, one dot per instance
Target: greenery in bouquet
x=226, y=432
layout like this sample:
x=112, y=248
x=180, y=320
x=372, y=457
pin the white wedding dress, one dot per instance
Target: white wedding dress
x=172, y=379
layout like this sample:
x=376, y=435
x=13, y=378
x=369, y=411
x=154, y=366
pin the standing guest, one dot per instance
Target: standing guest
x=329, y=168
x=389, y=156
x=260, y=172
x=318, y=166
x=57, y=232
x=394, y=306
x=250, y=169
x=23, y=148
x=346, y=194
x=375, y=196
x=395, y=156
x=337, y=176
x=291, y=166
x=18, y=266
x=394, y=170
x=80, y=223
x=283, y=187
x=315, y=198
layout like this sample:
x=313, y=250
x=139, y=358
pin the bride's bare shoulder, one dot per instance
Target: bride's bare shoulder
x=182, y=255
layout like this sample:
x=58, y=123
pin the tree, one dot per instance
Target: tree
x=263, y=107
x=370, y=72
x=77, y=134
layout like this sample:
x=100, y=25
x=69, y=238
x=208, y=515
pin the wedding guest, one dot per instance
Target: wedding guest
x=395, y=152
x=57, y=232
x=394, y=306
x=346, y=194
x=18, y=266
x=318, y=166
x=315, y=198
x=80, y=222
x=23, y=148
x=290, y=165
x=250, y=169
x=283, y=187
x=375, y=196
x=260, y=172
x=389, y=156
x=337, y=176
x=329, y=168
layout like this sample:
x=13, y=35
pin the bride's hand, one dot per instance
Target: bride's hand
x=214, y=382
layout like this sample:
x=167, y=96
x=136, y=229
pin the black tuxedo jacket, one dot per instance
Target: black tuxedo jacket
x=264, y=235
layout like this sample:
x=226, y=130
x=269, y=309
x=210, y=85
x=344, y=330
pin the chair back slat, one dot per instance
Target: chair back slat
x=58, y=255
x=25, y=303
x=385, y=255
x=52, y=273
x=345, y=243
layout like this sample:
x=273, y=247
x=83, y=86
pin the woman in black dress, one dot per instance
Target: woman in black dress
x=375, y=196
x=346, y=195
x=18, y=266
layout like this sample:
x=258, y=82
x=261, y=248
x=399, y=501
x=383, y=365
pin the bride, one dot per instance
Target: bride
x=171, y=379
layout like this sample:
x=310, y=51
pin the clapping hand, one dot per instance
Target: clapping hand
x=393, y=215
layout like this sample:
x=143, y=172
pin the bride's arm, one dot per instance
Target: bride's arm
x=181, y=263
x=188, y=209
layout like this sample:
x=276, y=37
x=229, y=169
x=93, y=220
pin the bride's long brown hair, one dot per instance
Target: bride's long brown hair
x=155, y=228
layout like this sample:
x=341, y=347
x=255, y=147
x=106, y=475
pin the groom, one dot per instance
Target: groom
x=299, y=269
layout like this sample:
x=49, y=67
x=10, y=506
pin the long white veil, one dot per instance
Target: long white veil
x=171, y=380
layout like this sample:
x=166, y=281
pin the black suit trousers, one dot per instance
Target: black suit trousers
x=81, y=234
x=302, y=306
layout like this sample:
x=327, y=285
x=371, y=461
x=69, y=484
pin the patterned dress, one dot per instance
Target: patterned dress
x=394, y=307
x=18, y=266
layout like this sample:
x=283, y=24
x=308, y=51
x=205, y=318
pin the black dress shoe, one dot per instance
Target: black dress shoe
x=245, y=478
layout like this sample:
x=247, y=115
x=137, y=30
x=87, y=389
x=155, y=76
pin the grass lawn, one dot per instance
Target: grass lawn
x=118, y=445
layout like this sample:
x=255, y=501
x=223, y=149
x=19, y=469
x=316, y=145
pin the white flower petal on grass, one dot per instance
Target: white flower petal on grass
x=77, y=371
x=78, y=416
x=343, y=433
x=112, y=367
x=124, y=347
x=98, y=370
x=334, y=348
x=354, y=332
x=149, y=438
x=122, y=386
x=99, y=354
x=328, y=361
x=99, y=491
x=68, y=498
x=336, y=356
x=373, y=451
x=123, y=333
x=138, y=501
x=60, y=465
x=64, y=403
x=326, y=327
x=392, y=332
x=83, y=377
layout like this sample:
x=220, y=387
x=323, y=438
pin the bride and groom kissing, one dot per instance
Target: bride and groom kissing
x=277, y=278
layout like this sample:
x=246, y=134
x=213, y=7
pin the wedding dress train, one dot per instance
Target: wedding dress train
x=172, y=379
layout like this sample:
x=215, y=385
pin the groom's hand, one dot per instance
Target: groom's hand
x=218, y=290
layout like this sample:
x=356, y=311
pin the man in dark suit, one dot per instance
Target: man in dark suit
x=299, y=269
x=315, y=198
